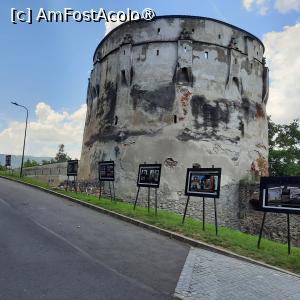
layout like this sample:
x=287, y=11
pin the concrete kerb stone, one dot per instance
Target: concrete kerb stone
x=167, y=233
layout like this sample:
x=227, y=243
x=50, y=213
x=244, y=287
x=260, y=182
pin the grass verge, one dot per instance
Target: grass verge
x=272, y=253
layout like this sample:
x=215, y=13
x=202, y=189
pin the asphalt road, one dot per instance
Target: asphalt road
x=51, y=248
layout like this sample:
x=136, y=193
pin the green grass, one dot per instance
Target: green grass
x=241, y=243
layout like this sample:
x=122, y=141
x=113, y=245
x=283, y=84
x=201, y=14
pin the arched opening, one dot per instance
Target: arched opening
x=183, y=75
x=116, y=120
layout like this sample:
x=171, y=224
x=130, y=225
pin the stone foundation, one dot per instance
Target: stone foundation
x=53, y=174
x=275, y=225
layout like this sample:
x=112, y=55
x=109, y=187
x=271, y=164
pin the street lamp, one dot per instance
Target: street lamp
x=15, y=103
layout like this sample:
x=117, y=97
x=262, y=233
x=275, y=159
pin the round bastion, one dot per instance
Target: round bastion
x=178, y=90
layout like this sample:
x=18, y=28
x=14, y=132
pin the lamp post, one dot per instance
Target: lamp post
x=15, y=103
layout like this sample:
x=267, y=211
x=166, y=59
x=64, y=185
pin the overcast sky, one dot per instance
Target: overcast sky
x=46, y=66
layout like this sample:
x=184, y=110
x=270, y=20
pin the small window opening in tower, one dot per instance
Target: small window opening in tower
x=157, y=52
x=251, y=65
x=235, y=61
x=206, y=54
x=123, y=77
x=116, y=120
x=124, y=52
x=158, y=30
x=236, y=81
x=193, y=30
x=219, y=36
x=175, y=118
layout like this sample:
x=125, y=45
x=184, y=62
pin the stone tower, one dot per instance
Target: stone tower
x=178, y=90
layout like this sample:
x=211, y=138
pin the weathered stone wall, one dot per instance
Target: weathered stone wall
x=178, y=90
x=53, y=174
x=275, y=225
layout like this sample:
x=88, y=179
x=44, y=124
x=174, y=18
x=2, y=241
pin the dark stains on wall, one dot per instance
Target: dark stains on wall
x=246, y=65
x=242, y=127
x=187, y=135
x=197, y=103
x=247, y=109
x=265, y=89
x=260, y=112
x=131, y=75
x=211, y=115
x=107, y=105
x=117, y=150
x=190, y=24
x=111, y=135
x=163, y=97
x=222, y=54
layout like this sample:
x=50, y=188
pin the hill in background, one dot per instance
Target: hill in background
x=16, y=159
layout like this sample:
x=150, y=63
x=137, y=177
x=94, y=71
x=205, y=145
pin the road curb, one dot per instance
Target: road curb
x=167, y=233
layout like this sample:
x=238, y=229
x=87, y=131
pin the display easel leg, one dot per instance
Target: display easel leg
x=156, y=202
x=111, y=197
x=67, y=184
x=185, y=210
x=261, y=230
x=216, y=217
x=148, y=199
x=203, y=213
x=100, y=183
x=289, y=234
x=136, y=198
x=113, y=184
x=75, y=184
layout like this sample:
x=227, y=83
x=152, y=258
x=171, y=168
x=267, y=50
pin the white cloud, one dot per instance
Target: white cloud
x=248, y=4
x=283, y=59
x=50, y=129
x=284, y=6
x=263, y=6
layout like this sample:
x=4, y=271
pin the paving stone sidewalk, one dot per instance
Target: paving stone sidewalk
x=208, y=275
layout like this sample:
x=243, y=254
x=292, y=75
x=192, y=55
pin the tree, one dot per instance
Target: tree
x=284, y=148
x=30, y=163
x=61, y=156
x=2, y=168
x=47, y=162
